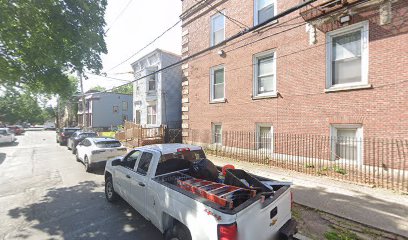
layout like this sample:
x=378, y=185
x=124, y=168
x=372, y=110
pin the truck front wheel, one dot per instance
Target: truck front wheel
x=110, y=193
x=178, y=232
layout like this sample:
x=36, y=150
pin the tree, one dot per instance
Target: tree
x=125, y=89
x=42, y=41
x=97, y=89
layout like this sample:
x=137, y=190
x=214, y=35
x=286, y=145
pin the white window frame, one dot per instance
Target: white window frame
x=212, y=26
x=359, y=135
x=147, y=114
x=364, y=56
x=255, y=75
x=212, y=71
x=275, y=11
x=213, y=133
x=151, y=70
x=258, y=131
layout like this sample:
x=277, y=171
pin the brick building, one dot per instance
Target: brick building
x=334, y=68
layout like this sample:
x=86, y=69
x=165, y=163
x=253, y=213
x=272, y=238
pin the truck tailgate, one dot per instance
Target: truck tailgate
x=263, y=220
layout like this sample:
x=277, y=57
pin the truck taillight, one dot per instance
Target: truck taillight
x=183, y=149
x=227, y=231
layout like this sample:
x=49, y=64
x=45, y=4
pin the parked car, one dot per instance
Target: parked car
x=49, y=126
x=94, y=151
x=64, y=133
x=6, y=136
x=16, y=129
x=78, y=137
x=157, y=181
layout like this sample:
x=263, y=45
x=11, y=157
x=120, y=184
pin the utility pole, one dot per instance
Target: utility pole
x=84, y=117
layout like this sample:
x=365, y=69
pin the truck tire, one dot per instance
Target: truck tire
x=88, y=167
x=77, y=157
x=178, y=232
x=110, y=193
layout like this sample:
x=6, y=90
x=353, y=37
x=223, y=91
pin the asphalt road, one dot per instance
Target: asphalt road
x=46, y=194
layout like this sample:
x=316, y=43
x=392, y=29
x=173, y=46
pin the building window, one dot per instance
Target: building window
x=152, y=83
x=124, y=118
x=217, y=29
x=264, y=134
x=217, y=133
x=151, y=114
x=347, y=141
x=217, y=84
x=347, y=56
x=115, y=109
x=265, y=74
x=124, y=106
x=137, y=117
x=264, y=10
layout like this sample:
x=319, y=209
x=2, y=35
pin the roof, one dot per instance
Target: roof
x=170, y=147
x=154, y=51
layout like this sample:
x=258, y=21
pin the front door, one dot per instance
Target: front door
x=123, y=174
x=138, y=184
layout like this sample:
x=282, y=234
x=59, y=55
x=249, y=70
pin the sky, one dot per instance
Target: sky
x=139, y=23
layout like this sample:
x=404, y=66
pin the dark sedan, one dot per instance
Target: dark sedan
x=77, y=137
x=64, y=133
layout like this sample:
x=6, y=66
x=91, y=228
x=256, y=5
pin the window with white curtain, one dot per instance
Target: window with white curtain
x=347, y=60
x=217, y=29
x=217, y=84
x=264, y=74
x=151, y=114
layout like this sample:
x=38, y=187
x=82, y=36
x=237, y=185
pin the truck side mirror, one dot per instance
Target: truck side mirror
x=117, y=162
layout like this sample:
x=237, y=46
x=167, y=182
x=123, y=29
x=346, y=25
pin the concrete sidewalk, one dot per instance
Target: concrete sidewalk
x=378, y=208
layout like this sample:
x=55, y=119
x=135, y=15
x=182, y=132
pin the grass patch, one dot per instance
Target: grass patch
x=339, y=170
x=107, y=134
x=309, y=166
x=342, y=235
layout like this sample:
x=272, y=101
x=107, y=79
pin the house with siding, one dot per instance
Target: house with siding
x=335, y=69
x=157, y=98
x=105, y=110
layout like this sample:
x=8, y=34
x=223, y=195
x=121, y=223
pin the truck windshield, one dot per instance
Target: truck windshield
x=172, y=162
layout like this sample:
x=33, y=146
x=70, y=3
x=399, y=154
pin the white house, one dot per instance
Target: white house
x=157, y=98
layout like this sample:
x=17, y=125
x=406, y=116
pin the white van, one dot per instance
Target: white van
x=6, y=136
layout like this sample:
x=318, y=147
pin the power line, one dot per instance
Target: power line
x=143, y=48
x=120, y=14
x=233, y=20
x=235, y=36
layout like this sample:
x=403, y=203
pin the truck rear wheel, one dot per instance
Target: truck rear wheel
x=178, y=232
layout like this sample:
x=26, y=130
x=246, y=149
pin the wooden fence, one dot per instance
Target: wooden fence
x=134, y=135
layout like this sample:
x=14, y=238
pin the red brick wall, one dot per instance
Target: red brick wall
x=303, y=106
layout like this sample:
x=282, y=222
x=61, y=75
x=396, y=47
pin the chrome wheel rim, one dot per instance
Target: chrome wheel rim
x=109, y=190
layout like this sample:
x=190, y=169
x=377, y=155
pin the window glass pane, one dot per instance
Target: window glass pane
x=218, y=36
x=265, y=137
x=218, y=23
x=265, y=13
x=265, y=66
x=264, y=3
x=346, y=144
x=144, y=163
x=346, y=71
x=219, y=76
x=217, y=134
x=265, y=84
x=152, y=85
x=347, y=46
x=131, y=159
x=219, y=91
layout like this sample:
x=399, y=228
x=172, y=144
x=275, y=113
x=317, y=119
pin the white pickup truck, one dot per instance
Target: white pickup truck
x=147, y=179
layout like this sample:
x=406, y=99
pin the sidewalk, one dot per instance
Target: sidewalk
x=378, y=208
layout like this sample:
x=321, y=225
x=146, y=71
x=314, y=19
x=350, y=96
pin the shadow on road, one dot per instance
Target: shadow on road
x=12, y=144
x=81, y=212
x=2, y=157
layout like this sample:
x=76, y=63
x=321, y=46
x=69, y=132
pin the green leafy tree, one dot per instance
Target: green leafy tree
x=42, y=41
x=125, y=89
x=97, y=89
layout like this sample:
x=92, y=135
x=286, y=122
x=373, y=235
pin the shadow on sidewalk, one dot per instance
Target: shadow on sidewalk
x=359, y=207
x=81, y=212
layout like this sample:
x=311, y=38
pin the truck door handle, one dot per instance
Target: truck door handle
x=128, y=176
x=141, y=184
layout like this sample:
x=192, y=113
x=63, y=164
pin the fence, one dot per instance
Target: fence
x=377, y=162
x=134, y=135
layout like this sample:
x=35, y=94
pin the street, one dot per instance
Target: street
x=46, y=194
